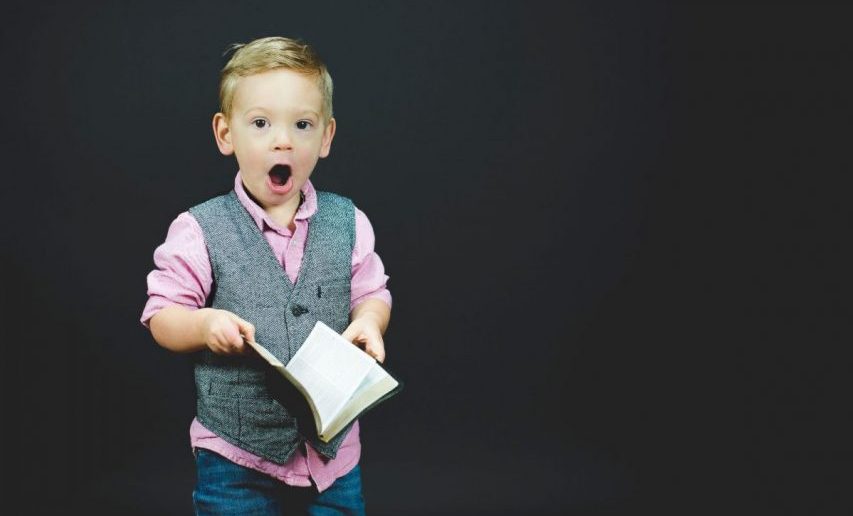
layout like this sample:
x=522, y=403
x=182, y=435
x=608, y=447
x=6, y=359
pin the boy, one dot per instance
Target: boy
x=267, y=261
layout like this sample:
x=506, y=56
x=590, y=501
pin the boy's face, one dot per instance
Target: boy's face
x=277, y=132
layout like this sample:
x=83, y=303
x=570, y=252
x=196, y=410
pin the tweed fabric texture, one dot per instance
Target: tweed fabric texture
x=233, y=396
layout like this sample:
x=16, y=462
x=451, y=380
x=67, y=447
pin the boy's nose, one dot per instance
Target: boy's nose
x=281, y=140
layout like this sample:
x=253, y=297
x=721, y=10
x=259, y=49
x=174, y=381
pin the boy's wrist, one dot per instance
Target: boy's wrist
x=201, y=316
x=367, y=316
x=376, y=311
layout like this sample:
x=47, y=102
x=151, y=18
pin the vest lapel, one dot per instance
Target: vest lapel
x=258, y=246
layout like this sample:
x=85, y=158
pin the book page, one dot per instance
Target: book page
x=276, y=363
x=376, y=384
x=330, y=369
x=337, y=378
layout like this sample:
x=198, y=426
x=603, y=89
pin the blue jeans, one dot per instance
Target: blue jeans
x=227, y=488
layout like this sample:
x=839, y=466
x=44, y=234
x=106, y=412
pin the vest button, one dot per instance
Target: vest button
x=298, y=310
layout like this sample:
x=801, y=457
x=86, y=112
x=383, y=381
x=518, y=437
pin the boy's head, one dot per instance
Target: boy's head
x=276, y=117
x=271, y=53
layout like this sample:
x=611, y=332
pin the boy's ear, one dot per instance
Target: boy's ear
x=328, y=135
x=222, y=133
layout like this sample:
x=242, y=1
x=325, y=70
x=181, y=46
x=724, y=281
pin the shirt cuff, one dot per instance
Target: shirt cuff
x=382, y=295
x=155, y=304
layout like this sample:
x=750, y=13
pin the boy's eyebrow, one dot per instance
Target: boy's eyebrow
x=261, y=108
x=254, y=108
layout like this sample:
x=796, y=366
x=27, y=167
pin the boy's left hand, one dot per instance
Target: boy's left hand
x=365, y=333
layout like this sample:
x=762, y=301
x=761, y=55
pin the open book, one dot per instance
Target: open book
x=339, y=380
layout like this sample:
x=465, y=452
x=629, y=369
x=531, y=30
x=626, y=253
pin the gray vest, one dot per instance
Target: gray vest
x=240, y=397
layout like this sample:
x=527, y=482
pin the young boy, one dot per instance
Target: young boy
x=266, y=261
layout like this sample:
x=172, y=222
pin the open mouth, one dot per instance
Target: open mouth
x=279, y=174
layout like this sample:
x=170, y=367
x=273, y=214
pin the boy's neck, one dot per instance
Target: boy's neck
x=283, y=214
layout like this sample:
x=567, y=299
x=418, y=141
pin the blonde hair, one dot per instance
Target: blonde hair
x=270, y=53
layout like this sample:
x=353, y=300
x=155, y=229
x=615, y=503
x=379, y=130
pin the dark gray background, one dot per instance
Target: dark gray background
x=614, y=232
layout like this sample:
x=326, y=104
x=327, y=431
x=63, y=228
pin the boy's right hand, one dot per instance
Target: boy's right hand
x=223, y=332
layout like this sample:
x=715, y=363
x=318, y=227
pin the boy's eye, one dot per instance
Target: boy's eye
x=260, y=123
x=303, y=124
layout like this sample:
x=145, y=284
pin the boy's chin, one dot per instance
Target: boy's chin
x=277, y=197
x=266, y=197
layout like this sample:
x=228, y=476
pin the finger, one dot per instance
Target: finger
x=350, y=333
x=375, y=347
x=248, y=331
x=227, y=339
x=219, y=346
x=245, y=328
x=231, y=335
x=378, y=355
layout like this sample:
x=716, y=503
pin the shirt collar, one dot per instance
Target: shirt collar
x=306, y=209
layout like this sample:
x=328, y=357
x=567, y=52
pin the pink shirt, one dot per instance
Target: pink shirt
x=183, y=277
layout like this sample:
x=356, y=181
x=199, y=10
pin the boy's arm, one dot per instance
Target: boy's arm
x=370, y=300
x=182, y=330
x=369, y=322
x=178, y=289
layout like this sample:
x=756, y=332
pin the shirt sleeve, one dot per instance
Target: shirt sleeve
x=182, y=274
x=368, y=273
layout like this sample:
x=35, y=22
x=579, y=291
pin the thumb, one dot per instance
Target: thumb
x=350, y=333
x=247, y=329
